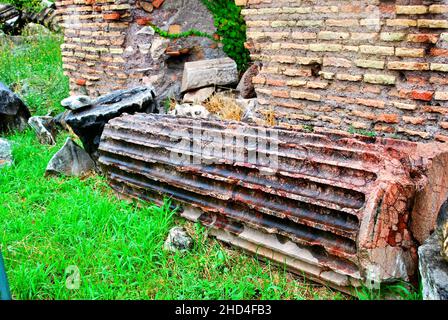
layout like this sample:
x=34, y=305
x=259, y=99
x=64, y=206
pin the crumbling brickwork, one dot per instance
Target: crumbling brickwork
x=108, y=44
x=370, y=65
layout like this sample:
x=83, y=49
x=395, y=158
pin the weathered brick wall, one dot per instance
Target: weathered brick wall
x=108, y=45
x=372, y=65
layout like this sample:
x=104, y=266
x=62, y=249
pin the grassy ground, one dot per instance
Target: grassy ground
x=52, y=225
x=49, y=224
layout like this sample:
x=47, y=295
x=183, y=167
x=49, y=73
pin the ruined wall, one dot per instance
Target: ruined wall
x=109, y=46
x=371, y=65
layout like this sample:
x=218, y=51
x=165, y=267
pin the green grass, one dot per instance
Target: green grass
x=49, y=224
x=34, y=71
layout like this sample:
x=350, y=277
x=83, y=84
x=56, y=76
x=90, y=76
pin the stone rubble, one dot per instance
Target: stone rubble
x=88, y=122
x=204, y=73
x=6, y=158
x=76, y=102
x=14, y=114
x=178, y=240
x=433, y=270
x=45, y=128
x=71, y=160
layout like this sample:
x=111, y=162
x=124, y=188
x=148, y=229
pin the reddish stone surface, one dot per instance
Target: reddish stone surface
x=422, y=95
x=375, y=202
x=81, y=82
x=157, y=3
x=111, y=16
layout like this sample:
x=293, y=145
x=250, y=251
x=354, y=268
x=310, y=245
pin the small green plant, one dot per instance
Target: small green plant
x=400, y=290
x=189, y=33
x=308, y=128
x=231, y=27
x=30, y=5
x=353, y=130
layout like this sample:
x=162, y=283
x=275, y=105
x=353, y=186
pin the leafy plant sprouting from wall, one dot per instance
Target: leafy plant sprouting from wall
x=231, y=27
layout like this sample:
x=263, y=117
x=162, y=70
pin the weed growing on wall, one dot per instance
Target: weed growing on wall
x=231, y=27
x=30, y=5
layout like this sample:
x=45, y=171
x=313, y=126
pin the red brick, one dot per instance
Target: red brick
x=276, y=83
x=388, y=118
x=439, y=52
x=81, y=82
x=387, y=8
x=422, y=95
x=280, y=94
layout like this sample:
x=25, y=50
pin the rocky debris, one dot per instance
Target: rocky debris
x=6, y=158
x=14, y=114
x=45, y=128
x=246, y=87
x=70, y=160
x=198, y=96
x=193, y=111
x=178, y=240
x=433, y=270
x=76, y=102
x=204, y=73
x=88, y=123
x=34, y=29
x=61, y=120
x=248, y=106
x=10, y=18
x=47, y=17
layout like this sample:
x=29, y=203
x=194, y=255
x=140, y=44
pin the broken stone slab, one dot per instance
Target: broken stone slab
x=45, y=128
x=6, y=158
x=76, y=102
x=246, y=88
x=14, y=114
x=199, y=96
x=192, y=111
x=204, y=73
x=178, y=240
x=61, y=120
x=88, y=123
x=70, y=160
x=433, y=270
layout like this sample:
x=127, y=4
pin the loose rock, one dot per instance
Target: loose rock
x=88, y=123
x=198, y=96
x=14, y=114
x=71, y=160
x=76, y=102
x=6, y=158
x=433, y=270
x=193, y=111
x=178, y=240
x=204, y=73
x=45, y=128
x=246, y=87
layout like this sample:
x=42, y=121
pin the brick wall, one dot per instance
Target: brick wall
x=108, y=46
x=369, y=65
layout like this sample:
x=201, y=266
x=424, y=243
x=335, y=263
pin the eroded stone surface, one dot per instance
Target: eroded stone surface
x=347, y=199
x=88, y=123
x=14, y=114
x=178, y=240
x=45, y=128
x=246, y=88
x=433, y=270
x=76, y=102
x=218, y=72
x=70, y=160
